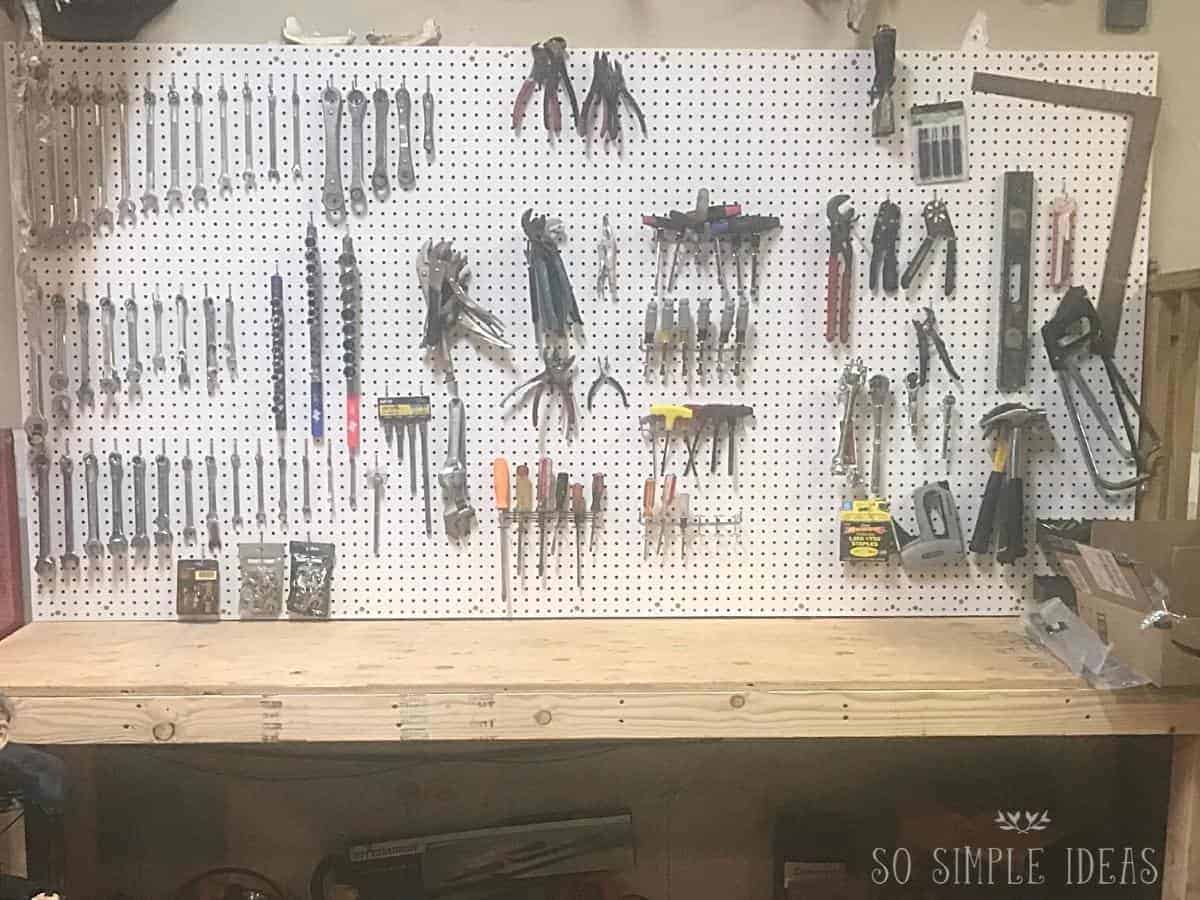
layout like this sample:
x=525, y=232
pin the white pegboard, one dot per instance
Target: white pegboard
x=780, y=132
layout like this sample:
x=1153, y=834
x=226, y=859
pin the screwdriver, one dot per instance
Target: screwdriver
x=579, y=509
x=562, y=485
x=682, y=508
x=545, y=485
x=524, y=506
x=668, y=499
x=647, y=514
x=597, y=502
x=503, y=495
x=670, y=413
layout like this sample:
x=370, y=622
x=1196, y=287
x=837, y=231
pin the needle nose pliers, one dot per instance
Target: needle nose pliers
x=605, y=378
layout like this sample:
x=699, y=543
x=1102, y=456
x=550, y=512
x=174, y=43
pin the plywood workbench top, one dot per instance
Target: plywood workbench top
x=167, y=682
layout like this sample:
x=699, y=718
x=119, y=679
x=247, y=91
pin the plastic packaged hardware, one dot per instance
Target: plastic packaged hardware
x=939, y=141
x=198, y=590
x=312, y=579
x=260, y=594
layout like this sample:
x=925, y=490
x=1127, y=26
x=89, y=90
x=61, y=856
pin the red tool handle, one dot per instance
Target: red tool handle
x=844, y=307
x=523, y=97
x=352, y=431
x=833, y=284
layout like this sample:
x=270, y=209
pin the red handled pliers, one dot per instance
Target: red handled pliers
x=841, y=270
x=548, y=72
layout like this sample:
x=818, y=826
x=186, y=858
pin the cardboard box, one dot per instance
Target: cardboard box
x=1120, y=580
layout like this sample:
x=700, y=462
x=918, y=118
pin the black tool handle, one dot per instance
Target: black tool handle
x=915, y=266
x=876, y=265
x=891, y=271
x=951, y=267
x=981, y=538
x=1014, y=522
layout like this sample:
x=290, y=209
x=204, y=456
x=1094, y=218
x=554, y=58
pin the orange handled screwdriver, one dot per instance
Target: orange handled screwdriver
x=503, y=500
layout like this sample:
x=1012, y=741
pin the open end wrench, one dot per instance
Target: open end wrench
x=248, y=135
x=117, y=542
x=126, y=209
x=174, y=192
x=91, y=478
x=102, y=217
x=162, y=521
x=332, y=196
x=110, y=379
x=212, y=520
x=379, y=177
x=272, y=136
x=296, y=170
x=84, y=393
x=77, y=227
x=150, y=199
x=159, y=361
x=189, y=499
x=181, y=314
x=60, y=401
x=141, y=540
x=41, y=467
x=224, y=181
x=199, y=191
x=235, y=466
x=357, y=101
x=405, y=174
x=133, y=373
x=32, y=161
x=66, y=466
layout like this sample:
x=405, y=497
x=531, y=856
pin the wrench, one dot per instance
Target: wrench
x=224, y=182
x=102, y=217
x=41, y=466
x=296, y=172
x=91, y=477
x=126, y=209
x=199, y=191
x=273, y=146
x=948, y=402
x=427, y=120
x=76, y=226
x=189, y=500
x=174, y=192
x=248, y=134
x=306, y=505
x=912, y=386
x=56, y=228
x=66, y=466
x=379, y=178
x=141, y=541
x=84, y=393
x=357, y=101
x=235, y=463
x=117, y=543
x=36, y=424
x=60, y=402
x=845, y=462
x=33, y=155
x=212, y=519
x=231, y=336
x=405, y=174
x=210, y=342
x=181, y=315
x=283, y=488
x=160, y=361
x=879, y=393
x=110, y=379
x=133, y=373
x=260, y=516
x=149, y=199
x=332, y=197
x=162, y=521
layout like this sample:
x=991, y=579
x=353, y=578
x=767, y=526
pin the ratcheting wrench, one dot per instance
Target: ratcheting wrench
x=405, y=174
x=76, y=226
x=126, y=210
x=133, y=373
x=379, y=177
x=357, y=101
x=272, y=137
x=296, y=171
x=224, y=181
x=102, y=217
x=248, y=134
x=149, y=199
x=332, y=197
x=199, y=191
x=174, y=192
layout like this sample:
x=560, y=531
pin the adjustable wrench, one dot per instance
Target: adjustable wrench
x=272, y=142
x=211, y=368
x=110, y=379
x=66, y=466
x=102, y=217
x=248, y=134
x=149, y=199
x=160, y=361
x=332, y=197
x=84, y=393
x=133, y=373
x=189, y=499
x=379, y=178
x=212, y=519
x=235, y=465
x=41, y=467
x=357, y=101
x=141, y=540
x=162, y=521
x=60, y=402
x=174, y=192
x=231, y=360
x=296, y=171
x=260, y=514
x=457, y=512
x=117, y=543
x=181, y=315
x=126, y=209
x=224, y=181
x=76, y=226
x=405, y=174
x=199, y=191
x=91, y=477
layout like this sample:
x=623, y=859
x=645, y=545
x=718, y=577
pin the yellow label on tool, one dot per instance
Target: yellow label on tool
x=204, y=575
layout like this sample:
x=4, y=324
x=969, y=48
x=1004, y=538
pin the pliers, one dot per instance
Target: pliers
x=556, y=377
x=840, y=272
x=608, y=88
x=927, y=333
x=604, y=378
x=548, y=72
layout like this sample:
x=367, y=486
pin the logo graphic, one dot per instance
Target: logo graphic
x=1022, y=822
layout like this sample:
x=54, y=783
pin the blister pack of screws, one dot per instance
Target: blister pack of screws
x=198, y=590
x=311, y=580
x=260, y=594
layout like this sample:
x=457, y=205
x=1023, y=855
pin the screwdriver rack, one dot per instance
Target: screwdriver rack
x=780, y=132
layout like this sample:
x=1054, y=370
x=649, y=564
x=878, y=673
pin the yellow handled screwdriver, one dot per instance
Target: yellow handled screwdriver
x=503, y=499
x=524, y=506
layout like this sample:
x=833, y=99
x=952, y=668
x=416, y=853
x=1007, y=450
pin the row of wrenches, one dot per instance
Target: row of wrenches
x=119, y=545
x=110, y=380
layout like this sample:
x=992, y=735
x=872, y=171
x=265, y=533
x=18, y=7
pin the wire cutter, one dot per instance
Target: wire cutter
x=605, y=378
x=556, y=377
x=548, y=72
x=840, y=273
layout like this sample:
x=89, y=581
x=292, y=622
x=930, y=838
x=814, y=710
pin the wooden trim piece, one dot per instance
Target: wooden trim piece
x=1181, y=876
x=1158, y=391
x=1185, y=378
x=12, y=597
x=1173, y=282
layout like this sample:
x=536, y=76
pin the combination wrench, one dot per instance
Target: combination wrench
x=332, y=197
x=260, y=514
x=56, y=228
x=159, y=361
x=77, y=227
x=102, y=217
x=235, y=465
x=126, y=209
x=91, y=478
x=174, y=192
x=405, y=174
x=296, y=171
x=211, y=369
x=150, y=199
x=427, y=120
x=36, y=424
x=231, y=360
x=181, y=315
x=306, y=503
x=141, y=540
x=133, y=372
x=60, y=401
x=41, y=467
x=110, y=378
x=248, y=134
x=212, y=520
x=199, y=191
x=162, y=521
x=272, y=138
x=379, y=177
x=189, y=499
x=84, y=393
x=224, y=181
x=357, y=101
x=117, y=542
x=66, y=467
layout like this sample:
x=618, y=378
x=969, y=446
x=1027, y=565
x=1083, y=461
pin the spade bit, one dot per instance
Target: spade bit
x=84, y=393
x=76, y=226
x=41, y=467
x=162, y=521
x=149, y=199
x=189, y=500
x=110, y=379
x=357, y=101
x=174, y=192
x=133, y=373
x=235, y=466
x=66, y=466
x=91, y=478
x=141, y=540
x=332, y=197
x=199, y=191
x=159, y=361
x=102, y=217
x=35, y=424
x=212, y=519
x=457, y=512
x=296, y=171
x=211, y=367
x=272, y=143
x=126, y=209
x=181, y=315
x=379, y=178
x=224, y=181
x=117, y=543
x=248, y=134
x=405, y=174
x=60, y=401
x=880, y=395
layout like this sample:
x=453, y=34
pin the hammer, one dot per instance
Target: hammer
x=1012, y=535
x=993, y=424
